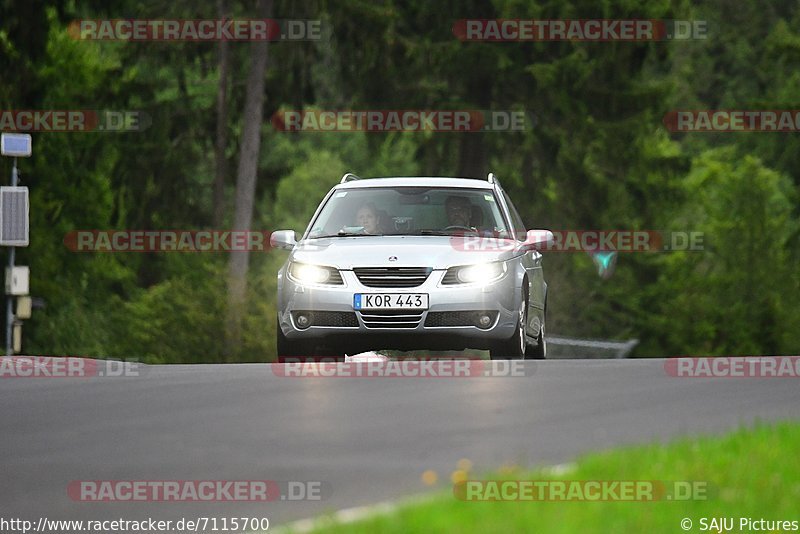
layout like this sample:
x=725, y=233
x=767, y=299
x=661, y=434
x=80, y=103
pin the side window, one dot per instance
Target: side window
x=519, y=227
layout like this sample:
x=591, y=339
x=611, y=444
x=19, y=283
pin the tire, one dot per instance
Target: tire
x=292, y=350
x=515, y=347
x=539, y=352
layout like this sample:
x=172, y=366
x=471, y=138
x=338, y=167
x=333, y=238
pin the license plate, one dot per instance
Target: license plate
x=390, y=301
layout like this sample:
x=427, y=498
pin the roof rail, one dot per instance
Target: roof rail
x=349, y=177
x=492, y=178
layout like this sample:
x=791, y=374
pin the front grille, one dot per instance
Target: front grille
x=392, y=276
x=391, y=319
x=457, y=318
x=329, y=318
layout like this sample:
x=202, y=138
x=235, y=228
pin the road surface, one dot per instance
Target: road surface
x=368, y=439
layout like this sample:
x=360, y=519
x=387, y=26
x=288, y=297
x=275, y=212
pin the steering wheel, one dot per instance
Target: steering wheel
x=457, y=227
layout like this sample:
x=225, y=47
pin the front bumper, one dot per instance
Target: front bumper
x=449, y=305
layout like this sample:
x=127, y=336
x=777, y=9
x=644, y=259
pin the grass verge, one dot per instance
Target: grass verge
x=751, y=473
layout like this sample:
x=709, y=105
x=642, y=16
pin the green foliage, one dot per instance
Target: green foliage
x=179, y=320
x=597, y=157
x=740, y=292
x=318, y=164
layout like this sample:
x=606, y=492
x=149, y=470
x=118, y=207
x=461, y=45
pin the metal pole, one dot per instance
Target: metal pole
x=10, y=299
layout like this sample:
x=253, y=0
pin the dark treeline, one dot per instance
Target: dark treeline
x=598, y=157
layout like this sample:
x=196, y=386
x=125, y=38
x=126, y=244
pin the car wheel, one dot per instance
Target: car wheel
x=515, y=347
x=291, y=350
x=539, y=352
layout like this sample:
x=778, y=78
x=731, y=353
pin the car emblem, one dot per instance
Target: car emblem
x=392, y=258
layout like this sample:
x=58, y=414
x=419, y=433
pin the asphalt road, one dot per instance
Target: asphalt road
x=368, y=439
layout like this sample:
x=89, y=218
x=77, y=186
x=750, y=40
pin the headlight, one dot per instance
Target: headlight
x=471, y=274
x=314, y=274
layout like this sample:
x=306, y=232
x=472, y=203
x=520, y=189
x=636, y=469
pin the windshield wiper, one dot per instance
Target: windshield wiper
x=434, y=232
x=345, y=234
x=458, y=231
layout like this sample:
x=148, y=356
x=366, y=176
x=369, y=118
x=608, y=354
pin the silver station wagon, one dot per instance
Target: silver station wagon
x=413, y=263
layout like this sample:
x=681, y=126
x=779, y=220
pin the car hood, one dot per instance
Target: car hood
x=438, y=252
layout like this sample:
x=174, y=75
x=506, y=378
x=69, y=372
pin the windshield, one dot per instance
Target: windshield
x=409, y=210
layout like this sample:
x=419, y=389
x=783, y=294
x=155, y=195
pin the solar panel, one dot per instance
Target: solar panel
x=16, y=145
x=14, y=216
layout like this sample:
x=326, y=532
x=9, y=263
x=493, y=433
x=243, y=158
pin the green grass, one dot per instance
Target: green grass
x=753, y=472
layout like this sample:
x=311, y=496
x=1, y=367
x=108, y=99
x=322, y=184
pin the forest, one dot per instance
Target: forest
x=204, y=149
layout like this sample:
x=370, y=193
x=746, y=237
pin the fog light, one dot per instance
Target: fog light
x=484, y=320
x=303, y=320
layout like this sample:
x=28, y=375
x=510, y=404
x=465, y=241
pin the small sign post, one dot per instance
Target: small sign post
x=15, y=146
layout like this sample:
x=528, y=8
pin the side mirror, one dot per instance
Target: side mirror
x=539, y=239
x=284, y=239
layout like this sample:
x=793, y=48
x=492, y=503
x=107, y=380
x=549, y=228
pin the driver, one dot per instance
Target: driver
x=459, y=211
x=367, y=217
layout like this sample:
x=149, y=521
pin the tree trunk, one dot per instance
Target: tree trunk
x=221, y=142
x=246, y=186
x=473, y=160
